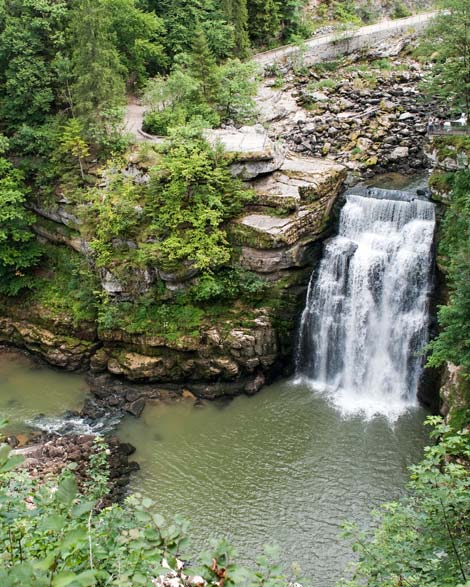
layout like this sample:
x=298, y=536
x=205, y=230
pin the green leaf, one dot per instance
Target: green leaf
x=11, y=463
x=73, y=538
x=82, y=508
x=67, y=490
x=87, y=578
x=54, y=522
x=63, y=579
x=5, y=450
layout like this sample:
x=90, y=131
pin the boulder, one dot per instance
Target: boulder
x=250, y=150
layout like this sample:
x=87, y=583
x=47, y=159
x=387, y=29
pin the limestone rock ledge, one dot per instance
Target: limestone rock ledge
x=235, y=352
x=67, y=352
x=292, y=209
x=242, y=356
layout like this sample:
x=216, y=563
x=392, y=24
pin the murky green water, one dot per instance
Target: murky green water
x=281, y=467
x=28, y=389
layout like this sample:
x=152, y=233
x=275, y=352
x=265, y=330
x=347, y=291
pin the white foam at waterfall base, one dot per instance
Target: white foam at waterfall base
x=365, y=322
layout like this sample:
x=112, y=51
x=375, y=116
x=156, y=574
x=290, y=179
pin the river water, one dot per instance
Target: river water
x=281, y=467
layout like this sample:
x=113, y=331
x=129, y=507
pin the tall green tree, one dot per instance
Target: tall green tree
x=449, y=42
x=290, y=14
x=19, y=250
x=139, y=39
x=98, y=89
x=31, y=33
x=183, y=17
x=263, y=21
x=203, y=66
x=236, y=12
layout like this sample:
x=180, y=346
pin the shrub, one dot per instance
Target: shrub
x=424, y=539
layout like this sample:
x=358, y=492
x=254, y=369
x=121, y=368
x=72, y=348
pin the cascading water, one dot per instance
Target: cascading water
x=366, y=316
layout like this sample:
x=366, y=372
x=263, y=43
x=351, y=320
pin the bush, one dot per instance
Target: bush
x=400, y=11
x=57, y=536
x=424, y=539
x=228, y=284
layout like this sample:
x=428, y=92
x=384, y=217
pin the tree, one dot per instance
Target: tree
x=290, y=13
x=263, y=21
x=236, y=12
x=449, y=42
x=139, y=39
x=19, y=250
x=191, y=195
x=98, y=88
x=203, y=66
x=31, y=33
x=183, y=17
x=71, y=142
x=238, y=84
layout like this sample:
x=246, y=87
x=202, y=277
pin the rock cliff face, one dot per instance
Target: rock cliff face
x=277, y=237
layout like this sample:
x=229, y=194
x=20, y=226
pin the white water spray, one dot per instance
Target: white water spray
x=366, y=317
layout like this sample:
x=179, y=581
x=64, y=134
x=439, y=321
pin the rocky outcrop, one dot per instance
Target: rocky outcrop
x=250, y=150
x=53, y=337
x=67, y=352
x=226, y=354
x=291, y=211
x=50, y=456
x=240, y=355
x=369, y=118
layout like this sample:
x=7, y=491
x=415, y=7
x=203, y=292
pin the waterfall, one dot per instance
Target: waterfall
x=366, y=315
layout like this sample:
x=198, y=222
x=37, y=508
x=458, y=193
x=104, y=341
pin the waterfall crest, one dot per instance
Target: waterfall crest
x=366, y=316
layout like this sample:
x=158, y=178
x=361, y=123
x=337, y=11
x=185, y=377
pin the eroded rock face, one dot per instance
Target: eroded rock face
x=67, y=352
x=250, y=149
x=237, y=355
x=292, y=210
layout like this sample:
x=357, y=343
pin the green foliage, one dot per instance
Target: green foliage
x=98, y=88
x=448, y=44
x=138, y=39
x=345, y=11
x=238, y=83
x=150, y=316
x=182, y=18
x=263, y=21
x=19, y=251
x=31, y=34
x=236, y=13
x=55, y=535
x=66, y=286
x=203, y=67
x=72, y=143
x=453, y=342
x=292, y=20
x=424, y=539
x=191, y=195
x=112, y=215
x=400, y=10
x=200, y=89
x=228, y=284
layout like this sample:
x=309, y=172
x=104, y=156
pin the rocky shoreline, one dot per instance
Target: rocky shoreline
x=50, y=454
